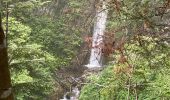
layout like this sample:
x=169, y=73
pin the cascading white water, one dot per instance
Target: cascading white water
x=74, y=94
x=98, y=32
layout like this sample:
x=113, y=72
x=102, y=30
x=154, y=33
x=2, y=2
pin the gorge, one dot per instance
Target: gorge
x=95, y=60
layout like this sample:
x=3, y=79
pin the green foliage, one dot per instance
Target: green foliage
x=30, y=65
x=95, y=90
x=38, y=45
x=46, y=34
x=148, y=78
x=141, y=67
x=56, y=38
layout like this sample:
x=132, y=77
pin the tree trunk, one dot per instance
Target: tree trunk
x=5, y=81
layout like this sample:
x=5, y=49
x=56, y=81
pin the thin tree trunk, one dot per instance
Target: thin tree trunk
x=5, y=81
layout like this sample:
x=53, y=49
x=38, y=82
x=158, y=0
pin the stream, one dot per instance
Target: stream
x=72, y=95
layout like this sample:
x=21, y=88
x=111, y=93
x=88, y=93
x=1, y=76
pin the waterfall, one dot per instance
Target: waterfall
x=97, y=40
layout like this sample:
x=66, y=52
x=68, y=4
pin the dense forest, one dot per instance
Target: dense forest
x=84, y=49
